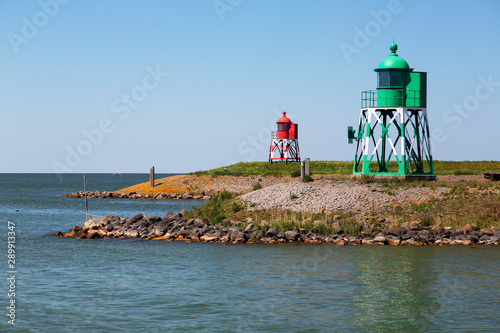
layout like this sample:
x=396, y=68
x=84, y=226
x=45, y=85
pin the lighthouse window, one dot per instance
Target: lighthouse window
x=282, y=127
x=383, y=79
x=396, y=78
x=390, y=79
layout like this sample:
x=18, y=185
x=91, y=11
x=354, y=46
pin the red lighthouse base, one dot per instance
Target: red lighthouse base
x=284, y=150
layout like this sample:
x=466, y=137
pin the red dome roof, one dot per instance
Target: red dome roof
x=284, y=119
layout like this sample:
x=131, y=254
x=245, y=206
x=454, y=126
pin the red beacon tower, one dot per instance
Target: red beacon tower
x=285, y=142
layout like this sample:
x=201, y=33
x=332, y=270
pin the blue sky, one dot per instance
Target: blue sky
x=120, y=86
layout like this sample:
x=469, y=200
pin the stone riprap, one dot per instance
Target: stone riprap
x=176, y=227
x=134, y=195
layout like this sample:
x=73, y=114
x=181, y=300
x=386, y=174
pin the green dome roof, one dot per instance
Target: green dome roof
x=393, y=61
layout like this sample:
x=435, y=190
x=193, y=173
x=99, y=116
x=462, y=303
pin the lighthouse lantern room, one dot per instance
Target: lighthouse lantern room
x=284, y=142
x=392, y=137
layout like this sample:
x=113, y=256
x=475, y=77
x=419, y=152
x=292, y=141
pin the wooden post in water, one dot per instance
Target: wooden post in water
x=152, y=177
x=86, y=203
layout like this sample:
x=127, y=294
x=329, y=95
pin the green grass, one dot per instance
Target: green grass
x=256, y=186
x=342, y=168
x=279, y=169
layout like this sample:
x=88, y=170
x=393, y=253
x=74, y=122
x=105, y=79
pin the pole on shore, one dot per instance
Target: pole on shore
x=86, y=203
x=152, y=177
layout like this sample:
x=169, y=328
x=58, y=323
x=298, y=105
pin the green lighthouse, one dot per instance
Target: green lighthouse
x=393, y=132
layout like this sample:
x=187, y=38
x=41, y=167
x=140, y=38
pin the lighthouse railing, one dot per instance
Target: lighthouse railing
x=274, y=135
x=368, y=99
x=405, y=97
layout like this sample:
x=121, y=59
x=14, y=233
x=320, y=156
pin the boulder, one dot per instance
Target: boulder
x=437, y=229
x=473, y=237
x=312, y=236
x=395, y=230
x=457, y=236
x=292, y=236
x=249, y=227
x=272, y=232
x=169, y=215
x=207, y=238
x=93, y=234
x=199, y=223
x=154, y=219
x=131, y=233
x=89, y=225
x=143, y=231
x=393, y=240
x=485, y=238
x=257, y=234
x=425, y=236
x=409, y=235
x=380, y=238
x=134, y=219
x=214, y=233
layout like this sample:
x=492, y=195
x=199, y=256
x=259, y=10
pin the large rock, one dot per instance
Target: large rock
x=235, y=233
x=89, y=225
x=292, y=236
x=272, y=232
x=395, y=230
x=380, y=238
x=161, y=228
x=154, y=219
x=169, y=215
x=457, y=236
x=133, y=219
x=425, y=236
x=131, y=233
x=257, y=234
x=409, y=235
x=199, y=223
x=238, y=236
x=473, y=237
x=249, y=227
x=437, y=229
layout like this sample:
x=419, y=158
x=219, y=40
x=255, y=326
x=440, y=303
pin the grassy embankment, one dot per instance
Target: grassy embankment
x=342, y=168
x=466, y=203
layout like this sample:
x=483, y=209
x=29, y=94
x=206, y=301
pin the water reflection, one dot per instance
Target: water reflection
x=396, y=289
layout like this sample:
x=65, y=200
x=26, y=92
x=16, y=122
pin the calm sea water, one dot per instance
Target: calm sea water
x=116, y=285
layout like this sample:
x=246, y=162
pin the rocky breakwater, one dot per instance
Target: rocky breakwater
x=177, y=227
x=134, y=195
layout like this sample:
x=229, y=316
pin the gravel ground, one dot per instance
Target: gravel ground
x=337, y=195
x=328, y=192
